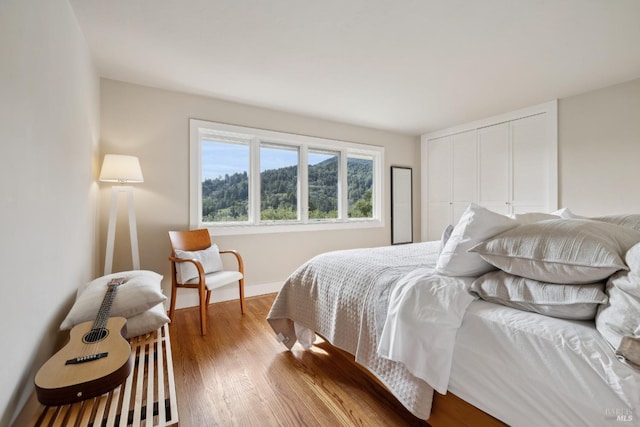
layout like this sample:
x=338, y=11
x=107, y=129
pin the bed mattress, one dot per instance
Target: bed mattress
x=532, y=370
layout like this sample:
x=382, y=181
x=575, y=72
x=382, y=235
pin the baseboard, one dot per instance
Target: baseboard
x=189, y=297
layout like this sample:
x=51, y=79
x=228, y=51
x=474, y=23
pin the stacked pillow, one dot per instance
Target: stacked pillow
x=618, y=321
x=548, y=265
x=139, y=299
x=624, y=220
x=560, y=251
x=627, y=221
x=555, y=267
x=578, y=302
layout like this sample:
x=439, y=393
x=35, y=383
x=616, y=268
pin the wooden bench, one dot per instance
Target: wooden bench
x=147, y=397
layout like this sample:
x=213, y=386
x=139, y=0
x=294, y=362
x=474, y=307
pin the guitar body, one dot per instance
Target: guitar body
x=87, y=366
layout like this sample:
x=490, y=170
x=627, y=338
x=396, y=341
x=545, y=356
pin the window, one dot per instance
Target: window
x=360, y=182
x=225, y=181
x=323, y=175
x=246, y=180
x=278, y=182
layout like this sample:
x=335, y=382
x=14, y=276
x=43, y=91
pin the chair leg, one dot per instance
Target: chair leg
x=203, y=312
x=241, y=288
x=172, y=305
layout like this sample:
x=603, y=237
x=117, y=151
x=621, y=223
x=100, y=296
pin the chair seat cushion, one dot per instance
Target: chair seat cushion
x=218, y=279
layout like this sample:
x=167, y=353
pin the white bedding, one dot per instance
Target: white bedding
x=425, y=312
x=532, y=370
x=343, y=296
x=523, y=368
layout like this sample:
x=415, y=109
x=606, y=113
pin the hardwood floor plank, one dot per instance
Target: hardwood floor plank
x=239, y=375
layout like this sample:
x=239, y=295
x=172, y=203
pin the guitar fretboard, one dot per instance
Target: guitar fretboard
x=105, y=309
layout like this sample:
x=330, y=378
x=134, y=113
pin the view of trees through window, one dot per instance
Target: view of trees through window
x=278, y=183
x=360, y=183
x=225, y=185
x=323, y=185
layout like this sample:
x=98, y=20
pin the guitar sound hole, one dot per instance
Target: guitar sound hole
x=95, y=335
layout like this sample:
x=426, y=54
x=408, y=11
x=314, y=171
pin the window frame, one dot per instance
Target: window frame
x=197, y=128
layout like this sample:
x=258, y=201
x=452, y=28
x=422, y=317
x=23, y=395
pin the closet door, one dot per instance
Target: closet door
x=494, y=168
x=452, y=180
x=531, y=168
x=465, y=173
x=507, y=163
x=439, y=170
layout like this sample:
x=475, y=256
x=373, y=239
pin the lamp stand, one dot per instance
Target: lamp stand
x=111, y=233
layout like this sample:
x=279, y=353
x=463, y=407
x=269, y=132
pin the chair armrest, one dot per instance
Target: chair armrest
x=238, y=258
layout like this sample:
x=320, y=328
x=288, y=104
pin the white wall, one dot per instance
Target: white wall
x=49, y=126
x=154, y=125
x=599, y=150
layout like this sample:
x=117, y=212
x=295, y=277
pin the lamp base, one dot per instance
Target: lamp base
x=111, y=231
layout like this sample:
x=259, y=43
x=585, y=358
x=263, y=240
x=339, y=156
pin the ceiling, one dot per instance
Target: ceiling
x=407, y=66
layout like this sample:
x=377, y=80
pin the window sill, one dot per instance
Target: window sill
x=235, y=229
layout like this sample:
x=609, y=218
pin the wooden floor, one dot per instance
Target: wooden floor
x=239, y=375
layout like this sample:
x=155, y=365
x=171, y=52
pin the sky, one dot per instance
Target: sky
x=219, y=159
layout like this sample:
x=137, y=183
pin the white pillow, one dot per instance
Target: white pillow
x=531, y=217
x=565, y=213
x=148, y=274
x=632, y=259
x=446, y=234
x=140, y=292
x=560, y=251
x=147, y=321
x=476, y=224
x=619, y=317
x=209, y=258
x=579, y=302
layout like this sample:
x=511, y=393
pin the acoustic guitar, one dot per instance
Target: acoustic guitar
x=96, y=359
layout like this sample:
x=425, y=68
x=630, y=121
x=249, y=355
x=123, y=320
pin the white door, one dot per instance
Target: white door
x=439, y=186
x=531, y=168
x=465, y=168
x=494, y=173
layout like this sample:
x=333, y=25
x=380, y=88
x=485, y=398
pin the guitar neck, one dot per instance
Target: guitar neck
x=107, y=302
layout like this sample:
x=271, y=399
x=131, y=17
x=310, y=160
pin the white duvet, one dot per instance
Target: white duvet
x=425, y=312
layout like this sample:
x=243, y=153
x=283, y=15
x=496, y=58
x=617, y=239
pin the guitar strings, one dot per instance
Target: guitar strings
x=92, y=339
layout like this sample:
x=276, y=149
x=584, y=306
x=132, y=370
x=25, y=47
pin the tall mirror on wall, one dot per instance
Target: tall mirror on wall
x=401, y=205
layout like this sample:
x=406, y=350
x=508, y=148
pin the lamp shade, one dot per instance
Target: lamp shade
x=121, y=168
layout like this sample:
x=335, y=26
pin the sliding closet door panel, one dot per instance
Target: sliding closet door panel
x=531, y=168
x=439, y=173
x=439, y=169
x=493, y=154
x=465, y=167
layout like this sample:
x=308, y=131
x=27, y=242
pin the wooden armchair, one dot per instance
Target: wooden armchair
x=198, y=240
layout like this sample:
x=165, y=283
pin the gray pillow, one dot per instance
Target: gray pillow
x=578, y=302
x=560, y=251
x=625, y=220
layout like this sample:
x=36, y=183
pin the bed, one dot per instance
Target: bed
x=417, y=325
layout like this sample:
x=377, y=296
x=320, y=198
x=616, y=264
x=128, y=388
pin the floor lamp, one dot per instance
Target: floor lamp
x=123, y=170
